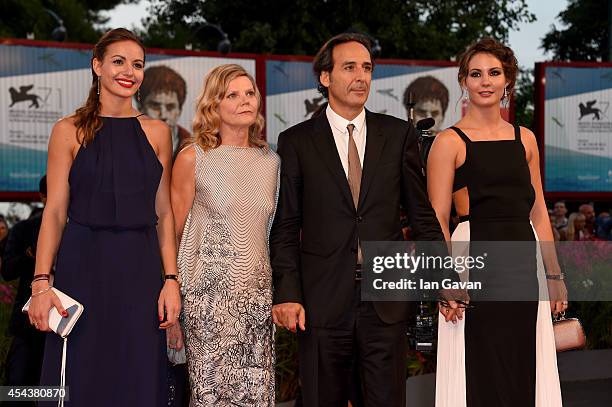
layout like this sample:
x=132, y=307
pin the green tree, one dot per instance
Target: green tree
x=524, y=98
x=583, y=35
x=82, y=18
x=406, y=29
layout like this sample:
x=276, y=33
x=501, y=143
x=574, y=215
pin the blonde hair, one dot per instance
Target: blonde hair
x=207, y=122
x=571, y=225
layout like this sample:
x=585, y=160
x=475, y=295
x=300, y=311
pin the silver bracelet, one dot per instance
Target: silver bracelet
x=41, y=292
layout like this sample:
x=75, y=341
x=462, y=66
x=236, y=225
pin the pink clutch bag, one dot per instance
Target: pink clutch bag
x=569, y=334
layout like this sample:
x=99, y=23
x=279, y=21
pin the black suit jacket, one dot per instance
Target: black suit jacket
x=313, y=241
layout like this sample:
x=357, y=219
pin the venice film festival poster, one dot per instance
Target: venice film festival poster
x=578, y=129
x=39, y=85
x=292, y=96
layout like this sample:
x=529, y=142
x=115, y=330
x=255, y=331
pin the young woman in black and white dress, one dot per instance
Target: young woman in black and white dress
x=495, y=353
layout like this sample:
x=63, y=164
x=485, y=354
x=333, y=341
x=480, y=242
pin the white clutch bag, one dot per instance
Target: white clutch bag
x=62, y=326
x=57, y=323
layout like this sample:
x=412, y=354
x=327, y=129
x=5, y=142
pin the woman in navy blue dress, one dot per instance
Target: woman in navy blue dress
x=109, y=225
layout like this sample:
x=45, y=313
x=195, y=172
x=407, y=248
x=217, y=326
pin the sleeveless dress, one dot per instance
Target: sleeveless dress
x=109, y=261
x=226, y=278
x=502, y=353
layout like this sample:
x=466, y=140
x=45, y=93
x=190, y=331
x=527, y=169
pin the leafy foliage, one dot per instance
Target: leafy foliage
x=406, y=29
x=82, y=18
x=583, y=36
x=524, y=99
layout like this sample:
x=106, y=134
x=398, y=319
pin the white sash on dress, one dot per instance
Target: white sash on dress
x=450, y=369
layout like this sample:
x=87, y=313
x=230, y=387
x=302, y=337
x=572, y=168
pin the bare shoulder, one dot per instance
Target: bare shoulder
x=64, y=131
x=530, y=143
x=185, y=158
x=65, y=124
x=527, y=135
x=153, y=127
x=448, y=138
x=528, y=138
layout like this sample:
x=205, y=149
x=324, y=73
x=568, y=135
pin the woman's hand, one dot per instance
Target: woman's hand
x=169, y=303
x=174, y=337
x=557, y=293
x=38, y=313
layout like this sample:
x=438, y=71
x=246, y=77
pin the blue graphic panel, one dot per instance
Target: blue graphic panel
x=578, y=129
x=565, y=81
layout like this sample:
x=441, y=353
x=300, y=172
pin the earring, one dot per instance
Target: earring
x=466, y=96
x=98, y=86
x=505, y=93
x=138, y=95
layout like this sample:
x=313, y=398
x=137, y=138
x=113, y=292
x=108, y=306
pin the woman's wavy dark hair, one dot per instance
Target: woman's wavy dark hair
x=87, y=117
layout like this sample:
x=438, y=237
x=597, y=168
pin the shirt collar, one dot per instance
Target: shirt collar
x=339, y=123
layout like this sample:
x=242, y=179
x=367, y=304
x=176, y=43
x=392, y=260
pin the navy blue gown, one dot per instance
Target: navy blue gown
x=109, y=260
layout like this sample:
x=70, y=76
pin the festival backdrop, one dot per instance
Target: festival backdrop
x=577, y=122
x=292, y=96
x=39, y=85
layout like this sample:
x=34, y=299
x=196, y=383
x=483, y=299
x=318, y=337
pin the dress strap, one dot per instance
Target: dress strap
x=517, y=133
x=141, y=114
x=461, y=134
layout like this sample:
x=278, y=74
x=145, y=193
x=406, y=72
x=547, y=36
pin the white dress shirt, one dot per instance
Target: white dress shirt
x=338, y=125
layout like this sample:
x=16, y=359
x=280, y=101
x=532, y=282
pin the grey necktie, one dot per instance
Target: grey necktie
x=354, y=166
x=354, y=176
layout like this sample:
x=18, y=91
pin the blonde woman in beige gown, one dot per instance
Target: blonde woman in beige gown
x=224, y=192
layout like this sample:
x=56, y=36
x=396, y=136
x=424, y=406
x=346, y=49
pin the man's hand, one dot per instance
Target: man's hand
x=453, y=303
x=288, y=315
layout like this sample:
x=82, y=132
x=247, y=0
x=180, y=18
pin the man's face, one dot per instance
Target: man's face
x=560, y=209
x=588, y=212
x=349, y=81
x=163, y=106
x=430, y=108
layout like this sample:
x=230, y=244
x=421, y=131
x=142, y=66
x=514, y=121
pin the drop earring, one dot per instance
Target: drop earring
x=505, y=93
x=138, y=95
x=98, y=86
x=466, y=97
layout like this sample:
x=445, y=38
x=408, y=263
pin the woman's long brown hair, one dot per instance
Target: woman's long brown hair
x=87, y=117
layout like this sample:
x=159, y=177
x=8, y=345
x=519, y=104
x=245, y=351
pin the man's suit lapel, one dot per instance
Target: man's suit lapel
x=375, y=141
x=325, y=144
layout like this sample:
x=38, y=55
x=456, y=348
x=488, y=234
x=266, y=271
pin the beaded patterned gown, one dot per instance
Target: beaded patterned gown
x=226, y=279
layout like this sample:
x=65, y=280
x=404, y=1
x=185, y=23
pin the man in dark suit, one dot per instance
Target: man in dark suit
x=344, y=175
x=24, y=358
